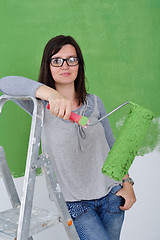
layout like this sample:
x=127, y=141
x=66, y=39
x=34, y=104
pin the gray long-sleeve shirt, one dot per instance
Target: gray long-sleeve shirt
x=79, y=153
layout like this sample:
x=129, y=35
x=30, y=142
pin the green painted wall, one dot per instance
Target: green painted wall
x=120, y=40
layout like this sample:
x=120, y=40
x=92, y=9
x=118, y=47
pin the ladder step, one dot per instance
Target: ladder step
x=41, y=219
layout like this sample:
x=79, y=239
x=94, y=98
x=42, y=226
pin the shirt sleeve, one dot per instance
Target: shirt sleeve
x=20, y=86
x=105, y=122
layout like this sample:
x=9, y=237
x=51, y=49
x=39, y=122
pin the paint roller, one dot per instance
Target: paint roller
x=129, y=141
x=127, y=144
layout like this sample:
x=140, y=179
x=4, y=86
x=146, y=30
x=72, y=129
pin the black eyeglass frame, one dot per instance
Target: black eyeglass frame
x=64, y=60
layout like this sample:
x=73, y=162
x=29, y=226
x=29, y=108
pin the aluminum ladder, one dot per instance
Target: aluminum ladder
x=23, y=220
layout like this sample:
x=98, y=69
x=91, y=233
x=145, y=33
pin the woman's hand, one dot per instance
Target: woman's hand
x=128, y=194
x=60, y=106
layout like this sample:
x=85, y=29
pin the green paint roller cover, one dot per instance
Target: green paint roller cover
x=128, y=142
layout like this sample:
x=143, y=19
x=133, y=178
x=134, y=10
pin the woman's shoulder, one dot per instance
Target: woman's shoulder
x=93, y=103
x=92, y=99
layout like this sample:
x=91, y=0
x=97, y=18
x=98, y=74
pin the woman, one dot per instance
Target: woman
x=95, y=201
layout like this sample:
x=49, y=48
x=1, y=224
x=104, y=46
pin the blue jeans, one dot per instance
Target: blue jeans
x=99, y=219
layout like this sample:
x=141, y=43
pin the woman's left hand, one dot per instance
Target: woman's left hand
x=128, y=194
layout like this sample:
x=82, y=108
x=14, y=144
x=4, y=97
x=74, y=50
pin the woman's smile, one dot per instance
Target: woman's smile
x=65, y=74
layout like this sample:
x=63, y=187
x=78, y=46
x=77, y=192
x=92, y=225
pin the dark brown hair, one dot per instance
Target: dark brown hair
x=52, y=47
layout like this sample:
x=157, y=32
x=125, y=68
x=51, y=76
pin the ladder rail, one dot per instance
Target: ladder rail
x=8, y=180
x=33, y=160
x=30, y=174
x=56, y=195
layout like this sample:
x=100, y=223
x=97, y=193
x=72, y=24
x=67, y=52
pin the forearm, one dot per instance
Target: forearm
x=126, y=176
x=44, y=92
x=60, y=106
x=16, y=86
x=127, y=182
x=21, y=86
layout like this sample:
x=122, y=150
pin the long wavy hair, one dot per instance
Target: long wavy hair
x=52, y=47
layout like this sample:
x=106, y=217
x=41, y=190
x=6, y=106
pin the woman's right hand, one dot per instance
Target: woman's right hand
x=60, y=106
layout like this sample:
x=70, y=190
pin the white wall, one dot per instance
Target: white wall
x=141, y=222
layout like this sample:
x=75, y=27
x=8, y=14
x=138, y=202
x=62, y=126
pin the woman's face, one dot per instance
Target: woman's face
x=65, y=74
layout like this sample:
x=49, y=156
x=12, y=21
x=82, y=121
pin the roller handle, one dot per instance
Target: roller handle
x=74, y=117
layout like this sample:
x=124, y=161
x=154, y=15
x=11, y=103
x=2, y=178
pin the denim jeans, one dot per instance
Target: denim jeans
x=99, y=219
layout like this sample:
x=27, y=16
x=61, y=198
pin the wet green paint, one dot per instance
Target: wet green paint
x=128, y=142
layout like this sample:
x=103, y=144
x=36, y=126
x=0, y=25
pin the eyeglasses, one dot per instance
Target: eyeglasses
x=58, y=62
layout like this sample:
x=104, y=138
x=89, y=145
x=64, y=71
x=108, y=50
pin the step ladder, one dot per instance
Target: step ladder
x=23, y=220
